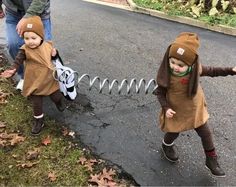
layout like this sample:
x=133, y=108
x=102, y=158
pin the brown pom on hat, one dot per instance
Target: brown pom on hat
x=185, y=47
x=34, y=24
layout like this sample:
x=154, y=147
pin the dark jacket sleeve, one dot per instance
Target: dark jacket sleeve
x=217, y=71
x=36, y=8
x=161, y=95
x=20, y=58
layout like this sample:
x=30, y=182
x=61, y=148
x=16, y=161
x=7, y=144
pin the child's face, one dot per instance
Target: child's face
x=177, y=66
x=32, y=40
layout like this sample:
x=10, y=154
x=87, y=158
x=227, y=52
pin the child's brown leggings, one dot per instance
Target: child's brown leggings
x=37, y=101
x=204, y=133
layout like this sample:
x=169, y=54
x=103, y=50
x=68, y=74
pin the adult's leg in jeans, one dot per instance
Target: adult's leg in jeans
x=47, y=29
x=14, y=41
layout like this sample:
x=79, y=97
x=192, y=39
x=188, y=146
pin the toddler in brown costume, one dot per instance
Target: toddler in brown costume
x=36, y=55
x=182, y=98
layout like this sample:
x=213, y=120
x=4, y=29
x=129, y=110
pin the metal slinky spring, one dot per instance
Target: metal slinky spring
x=122, y=87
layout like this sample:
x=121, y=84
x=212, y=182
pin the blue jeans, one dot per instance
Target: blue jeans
x=14, y=41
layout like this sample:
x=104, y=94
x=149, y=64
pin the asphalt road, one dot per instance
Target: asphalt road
x=116, y=44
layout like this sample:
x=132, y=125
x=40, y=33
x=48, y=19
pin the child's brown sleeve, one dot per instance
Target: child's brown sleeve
x=20, y=58
x=161, y=95
x=217, y=71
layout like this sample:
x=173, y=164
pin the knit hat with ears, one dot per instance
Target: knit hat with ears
x=34, y=24
x=185, y=49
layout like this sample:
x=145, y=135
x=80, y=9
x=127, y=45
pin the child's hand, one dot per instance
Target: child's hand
x=8, y=73
x=54, y=52
x=170, y=113
x=234, y=69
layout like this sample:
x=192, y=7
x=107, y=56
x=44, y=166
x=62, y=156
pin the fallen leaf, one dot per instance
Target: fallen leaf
x=16, y=139
x=65, y=131
x=89, y=165
x=46, y=141
x=82, y=160
x=111, y=184
x=104, y=178
x=27, y=164
x=107, y=174
x=32, y=154
x=3, y=143
x=93, y=161
x=52, y=176
x=14, y=156
x=2, y=124
x=97, y=180
x=4, y=135
x=3, y=96
x=100, y=161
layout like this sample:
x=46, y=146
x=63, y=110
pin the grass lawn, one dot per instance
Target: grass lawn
x=53, y=158
x=175, y=8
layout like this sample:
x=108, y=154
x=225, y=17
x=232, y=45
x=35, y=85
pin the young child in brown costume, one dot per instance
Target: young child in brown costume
x=36, y=55
x=182, y=98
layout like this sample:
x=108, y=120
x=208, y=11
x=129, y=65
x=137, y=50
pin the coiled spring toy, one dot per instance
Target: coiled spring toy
x=69, y=78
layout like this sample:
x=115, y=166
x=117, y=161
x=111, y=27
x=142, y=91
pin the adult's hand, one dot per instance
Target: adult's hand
x=19, y=26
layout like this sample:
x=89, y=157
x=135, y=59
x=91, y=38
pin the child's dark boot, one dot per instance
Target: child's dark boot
x=61, y=106
x=213, y=165
x=170, y=152
x=37, y=126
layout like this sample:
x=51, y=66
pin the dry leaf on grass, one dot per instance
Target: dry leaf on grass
x=82, y=160
x=33, y=154
x=107, y=174
x=105, y=178
x=65, y=131
x=27, y=164
x=97, y=180
x=3, y=143
x=88, y=163
x=2, y=124
x=3, y=96
x=52, y=176
x=11, y=138
x=17, y=139
x=46, y=140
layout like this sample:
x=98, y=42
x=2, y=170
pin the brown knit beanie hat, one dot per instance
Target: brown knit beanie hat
x=185, y=47
x=34, y=24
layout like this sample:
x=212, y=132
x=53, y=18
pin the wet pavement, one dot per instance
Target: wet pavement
x=117, y=44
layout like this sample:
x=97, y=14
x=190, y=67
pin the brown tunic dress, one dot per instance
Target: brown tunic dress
x=190, y=112
x=38, y=71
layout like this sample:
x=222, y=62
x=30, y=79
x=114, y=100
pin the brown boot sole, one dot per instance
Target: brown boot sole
x=218, y=176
